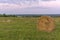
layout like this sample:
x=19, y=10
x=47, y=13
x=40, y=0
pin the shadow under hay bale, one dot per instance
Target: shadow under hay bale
x=46, y=23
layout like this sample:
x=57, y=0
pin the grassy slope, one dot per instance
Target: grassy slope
x=25, y=29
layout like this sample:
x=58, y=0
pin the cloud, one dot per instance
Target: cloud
x=17, y=6
x=16, y=1
x=48, y=0
x=52, y=4
x=34, y=7
x=8, y=6
x=14, y=8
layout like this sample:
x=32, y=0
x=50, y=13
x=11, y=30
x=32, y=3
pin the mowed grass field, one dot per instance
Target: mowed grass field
x=25, y=28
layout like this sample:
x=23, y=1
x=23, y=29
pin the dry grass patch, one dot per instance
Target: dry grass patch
x=6, y=21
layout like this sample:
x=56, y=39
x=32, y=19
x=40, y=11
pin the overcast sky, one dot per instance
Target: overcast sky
x=30, y=6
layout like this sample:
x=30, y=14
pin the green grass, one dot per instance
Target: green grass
x=26, y=29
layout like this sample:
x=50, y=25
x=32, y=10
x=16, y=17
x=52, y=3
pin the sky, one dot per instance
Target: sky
x=30, y=6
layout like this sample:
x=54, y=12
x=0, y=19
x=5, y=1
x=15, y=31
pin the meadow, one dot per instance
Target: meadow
x=25, y=28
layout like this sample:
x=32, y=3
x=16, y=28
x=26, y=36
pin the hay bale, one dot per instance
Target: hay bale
x=46, y=23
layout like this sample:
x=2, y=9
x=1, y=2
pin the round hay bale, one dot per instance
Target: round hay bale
x=46, y=23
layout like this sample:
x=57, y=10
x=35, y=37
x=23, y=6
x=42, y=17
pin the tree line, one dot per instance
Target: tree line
x=4, y=15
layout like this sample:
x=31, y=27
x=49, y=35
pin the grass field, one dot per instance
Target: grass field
x=19, y=28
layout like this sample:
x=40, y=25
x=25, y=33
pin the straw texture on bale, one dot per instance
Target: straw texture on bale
x=46, y=23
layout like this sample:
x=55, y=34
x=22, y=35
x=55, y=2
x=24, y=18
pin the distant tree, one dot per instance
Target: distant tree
x=4, y=15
